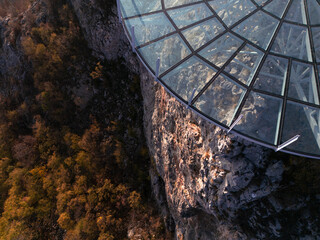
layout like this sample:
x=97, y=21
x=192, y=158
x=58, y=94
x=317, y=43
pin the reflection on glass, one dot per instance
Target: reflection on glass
x=314, y=11
x=277, y=7
x=259, y=28
x=191, y=74
x=297, y=12
x=316, y=42
x=293, y=41
x=200, y=34
x=170, y=51
x=149, y=27
x=231, y=11
x=221, y=100
x=260, y=117
x=272, y=75
x=221, y=49
x=136, y=7
x=302, y=83
x=187, y=15
x=302, y=120
x=174, y=3
x=244, y=65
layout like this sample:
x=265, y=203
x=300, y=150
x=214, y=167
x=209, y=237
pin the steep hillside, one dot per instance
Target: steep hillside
x=73, y=159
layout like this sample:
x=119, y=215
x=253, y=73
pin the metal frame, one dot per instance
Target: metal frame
x=249, y=88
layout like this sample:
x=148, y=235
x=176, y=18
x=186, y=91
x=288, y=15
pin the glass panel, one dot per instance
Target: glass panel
x=149, y=27
x=187, y=15
x=244, y=65
x=261, y=2
x=302, y=83
x=221, y=100
x=174, y=3
x=222, y=49
x=259, y=28
x=316, y=42
x=272, y=75
x=314, y=11
x=191, y=74
x=260, y=117
x=297, y=12
x=136, y=7
x=170, y=51
x=302, y=120
x=291, y=41
x=277, y=7
x=231, y=11
x=202, y=33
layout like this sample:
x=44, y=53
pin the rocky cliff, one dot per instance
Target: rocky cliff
x=211, y=185
x=219, y=186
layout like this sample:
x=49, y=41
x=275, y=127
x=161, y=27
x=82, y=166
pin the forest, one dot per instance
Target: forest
x=71, y=166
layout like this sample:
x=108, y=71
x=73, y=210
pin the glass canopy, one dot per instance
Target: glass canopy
x=253, y=63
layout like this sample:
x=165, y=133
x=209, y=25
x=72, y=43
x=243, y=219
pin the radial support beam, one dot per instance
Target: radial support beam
x=313, y=121
x=287, y=143
x=157, y=70
x=191, y=97
x=235, y=123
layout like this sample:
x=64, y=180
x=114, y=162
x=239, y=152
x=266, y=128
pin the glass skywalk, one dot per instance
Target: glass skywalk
x=226, y=59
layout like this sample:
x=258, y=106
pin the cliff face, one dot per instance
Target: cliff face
x=219, y=186
x=11, y=61
x=103, y=31
x=209, y=185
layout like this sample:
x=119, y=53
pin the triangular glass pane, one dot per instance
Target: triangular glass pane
x=277, y=7
x=137, y=7
x=170, y=50
x=187, y=15
x=314, y=11
x=149, y=27
x=202, y=33
x=259, y=28
x=191, y=74
x=297, y=12
x=303, y=120
x=261, y=113
x=293, y=41
x=231, y=11
x=316, y=42
x=302, y=85
x=221, y=49
x=244, y=65
x=221, y=100
x=272, y=75
x=174, y=3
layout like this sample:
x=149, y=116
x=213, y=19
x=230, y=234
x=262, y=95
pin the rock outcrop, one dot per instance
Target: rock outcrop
x=102, y=29
x=214, y=185
x=12, y=59
x=219, y=186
